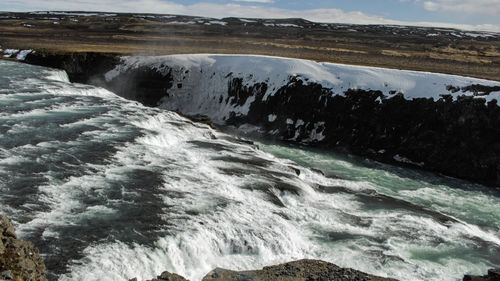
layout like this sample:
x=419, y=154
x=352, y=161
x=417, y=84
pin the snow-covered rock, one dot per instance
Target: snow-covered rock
x=434, y=121
x=205, y=78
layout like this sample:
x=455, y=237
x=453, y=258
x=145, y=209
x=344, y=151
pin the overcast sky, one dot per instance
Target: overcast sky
x=465, y=14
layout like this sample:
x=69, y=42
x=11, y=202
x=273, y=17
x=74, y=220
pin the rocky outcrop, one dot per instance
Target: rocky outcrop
x=493, y=275
x=301, y=270
x=165, y=276
x=459, y=138
x=19, y=260
x=82, y=67
x=456, y=135
x=145, y=85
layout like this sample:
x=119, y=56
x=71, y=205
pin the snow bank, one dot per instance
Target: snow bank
x=7, y=53
x=205, y=78
x=22, y=54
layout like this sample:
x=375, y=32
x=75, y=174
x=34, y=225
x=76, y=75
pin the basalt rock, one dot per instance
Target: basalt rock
x=302, y=270
x=456, y=135
x=82, y=67
x=19, y=260
x=166, y=276
x=144, y=84
x=493, y=275
x=458, y=138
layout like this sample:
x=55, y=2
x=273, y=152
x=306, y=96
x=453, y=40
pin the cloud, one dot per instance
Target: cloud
x=485, y=7
x=257, y=1
x=227, y=10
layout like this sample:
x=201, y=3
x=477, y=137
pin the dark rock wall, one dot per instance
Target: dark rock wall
x=493, y=275
x=145, y=85
x=84, y=67
x=457, y=137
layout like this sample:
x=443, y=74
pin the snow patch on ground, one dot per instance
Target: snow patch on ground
x=288, y=25
x=7, y=53
x=216, y=22
x=247, y=21
x=18, y=54
x=181, y=22
x=22, y=54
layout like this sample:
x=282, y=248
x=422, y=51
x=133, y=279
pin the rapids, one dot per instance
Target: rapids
x=109, y=189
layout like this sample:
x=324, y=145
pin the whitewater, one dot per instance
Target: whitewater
x=110, y=189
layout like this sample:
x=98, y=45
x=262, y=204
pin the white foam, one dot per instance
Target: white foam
x=222, y=218
x=57, y=75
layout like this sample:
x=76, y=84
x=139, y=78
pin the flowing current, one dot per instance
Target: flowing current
x=109, y=190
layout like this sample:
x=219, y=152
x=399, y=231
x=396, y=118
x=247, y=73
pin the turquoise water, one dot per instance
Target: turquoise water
x=472, y=203
x=458, y=206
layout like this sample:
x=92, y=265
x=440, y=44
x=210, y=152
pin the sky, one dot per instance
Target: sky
x=463, y=14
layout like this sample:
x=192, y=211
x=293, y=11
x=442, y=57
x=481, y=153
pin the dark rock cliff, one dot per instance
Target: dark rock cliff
x=493, y=275
x=458, y=137
x=19, y=260
x=82, y=67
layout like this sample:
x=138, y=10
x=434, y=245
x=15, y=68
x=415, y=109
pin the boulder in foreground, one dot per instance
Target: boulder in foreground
x=493, y=275
x=19, y=260
x=301, y=270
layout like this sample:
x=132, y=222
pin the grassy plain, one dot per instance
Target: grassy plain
x=413, y=48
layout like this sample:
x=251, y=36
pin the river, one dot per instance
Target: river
x=109, y=190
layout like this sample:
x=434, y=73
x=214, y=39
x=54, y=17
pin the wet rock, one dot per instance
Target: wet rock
x=7, y=228
x=82, y=67
x=19, y=260
x=199, y=118
x=144, y=84
x=457, y=135
x=7, y=275
x=493, y=275
x=310, y=270
x=165, y=276
x=458, y=138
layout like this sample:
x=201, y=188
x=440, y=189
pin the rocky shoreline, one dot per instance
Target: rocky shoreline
x=19, y=260
x=302, y=270
x=311, y=270
x=456, y=135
